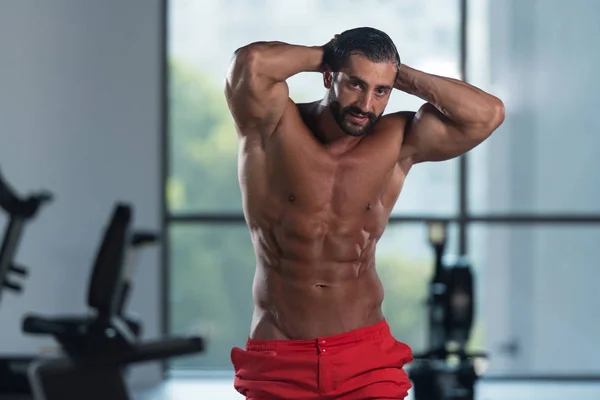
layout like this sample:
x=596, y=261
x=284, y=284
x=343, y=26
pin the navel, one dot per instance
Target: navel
x=291, y=198
x=369, y=207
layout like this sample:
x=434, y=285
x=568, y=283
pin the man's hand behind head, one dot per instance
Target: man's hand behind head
x=328, y=54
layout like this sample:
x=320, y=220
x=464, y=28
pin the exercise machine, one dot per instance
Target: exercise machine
x=98, y=348
x=446, y=371
x=108, y=291
x=20, y=210
x=13, y=369
x=139, y=241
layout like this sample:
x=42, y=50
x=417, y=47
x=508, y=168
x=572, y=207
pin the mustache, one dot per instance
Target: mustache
x=359, y=112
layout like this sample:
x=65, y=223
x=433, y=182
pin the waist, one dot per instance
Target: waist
x=379, y=330
x=301, y=309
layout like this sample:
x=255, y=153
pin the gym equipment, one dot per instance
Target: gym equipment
x=139, y=240
x=13, y=370
x=446, y=371
x=20, y=210
x=107, y=293
x=98, y=348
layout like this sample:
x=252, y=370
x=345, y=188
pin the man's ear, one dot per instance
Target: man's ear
x=327, y=78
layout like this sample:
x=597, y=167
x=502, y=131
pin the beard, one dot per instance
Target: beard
x=348, y=126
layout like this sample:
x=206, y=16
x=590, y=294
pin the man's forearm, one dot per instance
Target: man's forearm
x=460, y=102
x=280, y=61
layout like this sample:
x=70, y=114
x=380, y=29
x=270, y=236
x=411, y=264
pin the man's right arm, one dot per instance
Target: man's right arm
x=255, y=86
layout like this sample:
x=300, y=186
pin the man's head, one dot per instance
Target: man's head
x=361, y=69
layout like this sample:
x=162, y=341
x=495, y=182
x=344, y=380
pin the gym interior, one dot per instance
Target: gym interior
x=113, y=122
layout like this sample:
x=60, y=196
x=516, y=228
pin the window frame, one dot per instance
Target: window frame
x=463, y=218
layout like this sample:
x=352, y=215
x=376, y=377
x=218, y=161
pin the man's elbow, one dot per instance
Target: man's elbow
x=496, y=114
x=246, y=56
x=251, y=54
x=490, y=119
x=499, y=112
x=491, y=116
x=244, y=65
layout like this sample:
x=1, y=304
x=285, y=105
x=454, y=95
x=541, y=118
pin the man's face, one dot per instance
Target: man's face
x=359, y=93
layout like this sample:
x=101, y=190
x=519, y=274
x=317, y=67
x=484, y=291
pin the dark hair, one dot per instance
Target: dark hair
x=374, y=44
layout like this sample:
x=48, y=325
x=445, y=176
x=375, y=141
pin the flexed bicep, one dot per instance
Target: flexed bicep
x=256, y=88
x=456, y=117
x=431, y=136
x=256, y=101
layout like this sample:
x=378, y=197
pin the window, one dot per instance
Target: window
x=212, y=267
x=538, y=295
x=211, y=263
x=202, y=38
x=512, y=181
x=530, y=188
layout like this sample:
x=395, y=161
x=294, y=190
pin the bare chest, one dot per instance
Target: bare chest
x=309, y=181
x=339, y=187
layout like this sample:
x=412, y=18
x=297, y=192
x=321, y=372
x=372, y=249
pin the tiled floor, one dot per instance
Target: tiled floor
x=221, y=389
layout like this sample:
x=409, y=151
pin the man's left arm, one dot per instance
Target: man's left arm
x=456, y=118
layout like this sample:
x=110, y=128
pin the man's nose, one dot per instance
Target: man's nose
x=365, y=102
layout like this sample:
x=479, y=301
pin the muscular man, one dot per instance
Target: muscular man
x=319, y=181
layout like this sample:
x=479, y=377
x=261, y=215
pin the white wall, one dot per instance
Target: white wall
x=541, y=58
x=80, y=116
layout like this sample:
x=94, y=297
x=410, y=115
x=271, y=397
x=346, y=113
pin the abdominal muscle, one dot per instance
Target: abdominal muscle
x=305, y=297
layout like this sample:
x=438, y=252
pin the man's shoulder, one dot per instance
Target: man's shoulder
x=398, y=117
x=298, y=113
x=395, y=122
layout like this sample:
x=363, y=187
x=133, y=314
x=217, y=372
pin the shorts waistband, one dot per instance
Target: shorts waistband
x=371, y=332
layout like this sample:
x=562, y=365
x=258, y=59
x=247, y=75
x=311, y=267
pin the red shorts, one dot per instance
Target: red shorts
x=366, y=363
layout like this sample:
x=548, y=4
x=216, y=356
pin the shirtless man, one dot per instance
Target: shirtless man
x=319, y=181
